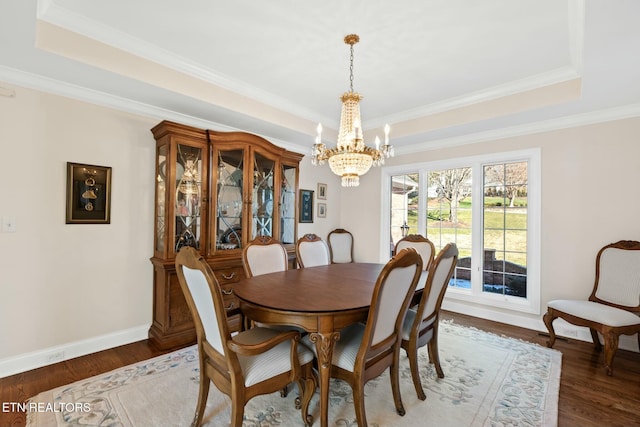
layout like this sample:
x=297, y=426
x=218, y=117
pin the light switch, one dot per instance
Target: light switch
x=9, y=224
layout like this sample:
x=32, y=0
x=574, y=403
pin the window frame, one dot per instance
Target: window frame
x=530, y=304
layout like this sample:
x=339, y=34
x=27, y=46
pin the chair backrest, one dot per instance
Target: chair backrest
x=391, y=296
x=204, y=298
x=340, y=246
x=264, y=255
x=618, y=275
x=311, y=251
x=424, y=246
x=438, y=278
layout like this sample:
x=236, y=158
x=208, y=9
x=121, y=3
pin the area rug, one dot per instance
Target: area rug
x=489, y=381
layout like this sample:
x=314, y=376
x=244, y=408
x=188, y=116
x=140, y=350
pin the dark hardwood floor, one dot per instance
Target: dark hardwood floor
x=588, y=397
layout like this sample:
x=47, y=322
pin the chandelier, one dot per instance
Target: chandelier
x=351, y=158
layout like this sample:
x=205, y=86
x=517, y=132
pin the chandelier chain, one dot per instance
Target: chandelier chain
x=351, y=69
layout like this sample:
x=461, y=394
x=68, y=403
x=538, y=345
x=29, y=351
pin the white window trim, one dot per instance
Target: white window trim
x=531, y=304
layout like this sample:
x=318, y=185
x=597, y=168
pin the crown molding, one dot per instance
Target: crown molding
x=559, y=75
x=54, y=14
x=57, y=15
x=56, y=87
x=48, y=85
x=576, y=120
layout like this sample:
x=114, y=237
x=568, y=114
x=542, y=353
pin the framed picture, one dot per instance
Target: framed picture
x=322, y=191
x=88, y=194
x=306, y=206
x=322, y=210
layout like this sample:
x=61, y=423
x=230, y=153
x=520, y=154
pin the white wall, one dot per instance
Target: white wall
x=590, y=178
x=61, y=283
x=68, y=290
x=310, y=176
x=80, y=288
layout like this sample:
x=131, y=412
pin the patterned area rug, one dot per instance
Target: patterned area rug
x=489, y=381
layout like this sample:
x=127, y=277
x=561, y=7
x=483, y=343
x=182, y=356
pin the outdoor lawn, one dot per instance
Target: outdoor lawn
x=505, y=231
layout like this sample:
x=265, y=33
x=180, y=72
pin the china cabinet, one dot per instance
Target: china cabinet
x=215, y=191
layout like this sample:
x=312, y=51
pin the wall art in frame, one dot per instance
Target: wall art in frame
x=322, y=191
x=88, y=194
x=322, y=210
x=306, y=206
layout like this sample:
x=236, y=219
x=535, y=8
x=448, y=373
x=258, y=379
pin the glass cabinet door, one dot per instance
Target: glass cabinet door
x=161, y=194
x=262, y=198
x=188, y=196
x=228, y=199
x=288, y=204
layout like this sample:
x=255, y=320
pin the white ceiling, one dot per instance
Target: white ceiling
x=440, y=72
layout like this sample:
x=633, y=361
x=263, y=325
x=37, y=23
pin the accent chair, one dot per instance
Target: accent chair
x=613, y=308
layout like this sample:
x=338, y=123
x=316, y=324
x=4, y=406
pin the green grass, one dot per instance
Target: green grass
x=497, y=218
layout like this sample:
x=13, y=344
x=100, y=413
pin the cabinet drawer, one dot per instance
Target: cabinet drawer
x=227, y=293
x=229, y=275
x=231, y=304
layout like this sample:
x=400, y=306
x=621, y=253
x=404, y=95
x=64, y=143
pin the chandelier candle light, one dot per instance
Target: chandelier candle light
x=351, y=158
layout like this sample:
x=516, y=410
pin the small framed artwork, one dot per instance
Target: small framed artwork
x=322, y=210
x=88, y=194
x=322, y=191
x=306, y=206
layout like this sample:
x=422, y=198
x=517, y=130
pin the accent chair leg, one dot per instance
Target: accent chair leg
x=548, y=319
x=596, y=339
x=610, y=348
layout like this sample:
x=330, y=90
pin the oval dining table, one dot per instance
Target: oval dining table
x=321, y=300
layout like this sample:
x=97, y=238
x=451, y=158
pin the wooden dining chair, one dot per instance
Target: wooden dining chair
x=311, y=251
x=420, y=325
x=252, y=362
x=264, y=255
x=340, y=246
x=613, y=308
x=424, y=246
x=365, y=350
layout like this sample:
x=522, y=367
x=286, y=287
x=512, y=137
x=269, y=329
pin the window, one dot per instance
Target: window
x=404, y=207
x=505, y=205
x=449, y=216
x=489, y=206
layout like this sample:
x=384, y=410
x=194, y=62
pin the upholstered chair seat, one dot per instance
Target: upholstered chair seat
x=596, y=312
x=346, y=349
x=273, y=362
x=408, y=323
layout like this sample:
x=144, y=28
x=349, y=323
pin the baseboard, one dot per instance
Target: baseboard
x=47, y=356
x=562, y=328
x=486, y=312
